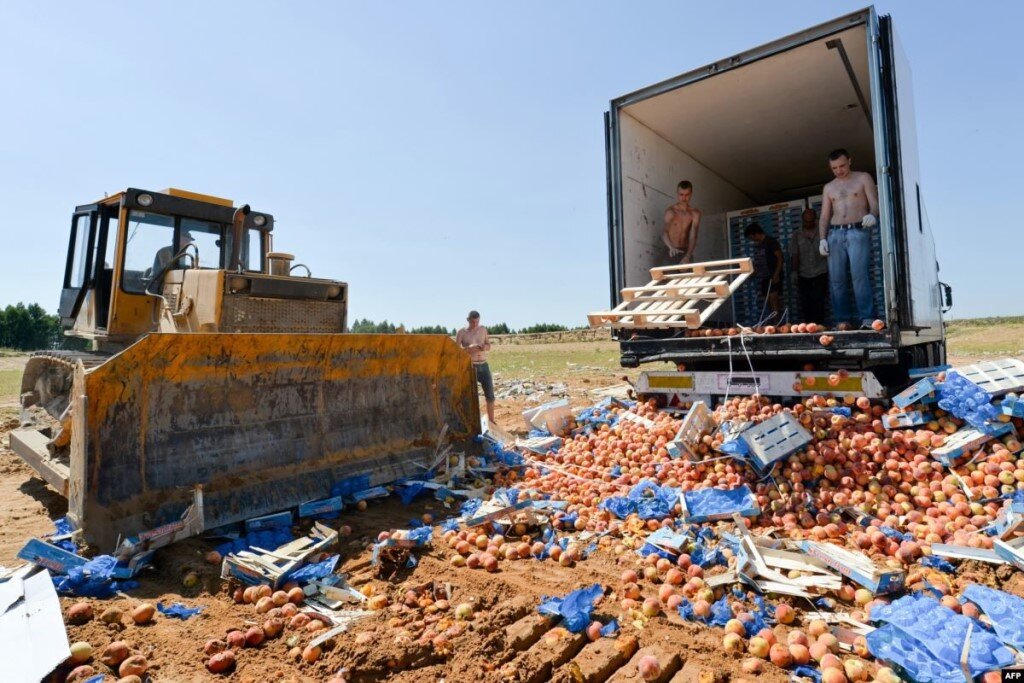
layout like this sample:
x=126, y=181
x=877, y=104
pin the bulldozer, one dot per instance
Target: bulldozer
x=221, y=381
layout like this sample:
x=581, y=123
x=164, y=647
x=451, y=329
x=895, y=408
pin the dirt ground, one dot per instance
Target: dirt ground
x=502, y=642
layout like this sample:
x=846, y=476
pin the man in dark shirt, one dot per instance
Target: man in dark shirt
x=767, y=268
x=809, y=269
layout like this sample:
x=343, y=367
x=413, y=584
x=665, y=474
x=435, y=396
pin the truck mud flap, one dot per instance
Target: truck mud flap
x=262, y=422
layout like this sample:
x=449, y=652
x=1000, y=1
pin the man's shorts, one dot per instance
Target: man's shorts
x=483, y=376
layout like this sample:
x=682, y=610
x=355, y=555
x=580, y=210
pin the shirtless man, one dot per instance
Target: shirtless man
x=849, y=211
x=682, y=223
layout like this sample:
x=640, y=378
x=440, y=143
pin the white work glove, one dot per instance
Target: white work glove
x=823, y=247
x=673, y=252
x=869, y=221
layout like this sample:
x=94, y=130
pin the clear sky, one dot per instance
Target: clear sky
x=446, y=156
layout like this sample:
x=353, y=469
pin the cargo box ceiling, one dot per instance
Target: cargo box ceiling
x=766, y=127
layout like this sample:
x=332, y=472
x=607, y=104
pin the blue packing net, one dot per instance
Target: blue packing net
x=1003, y=610
x=966, y=400
x=924, y=639
x=574, y=609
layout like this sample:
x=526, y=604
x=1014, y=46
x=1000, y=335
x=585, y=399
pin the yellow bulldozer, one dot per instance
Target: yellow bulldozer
x=220, y=373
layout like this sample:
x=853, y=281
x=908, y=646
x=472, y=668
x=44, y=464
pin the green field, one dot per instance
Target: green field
x=968, y=339
x=10, y=383
x=986, y=337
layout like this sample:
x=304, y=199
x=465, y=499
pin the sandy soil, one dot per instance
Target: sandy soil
x=483, y=649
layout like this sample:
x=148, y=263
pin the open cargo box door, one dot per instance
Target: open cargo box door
x=262, y=422
x=913, y=262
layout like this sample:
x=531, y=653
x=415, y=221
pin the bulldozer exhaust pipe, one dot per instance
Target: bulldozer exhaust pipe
x=238, y=234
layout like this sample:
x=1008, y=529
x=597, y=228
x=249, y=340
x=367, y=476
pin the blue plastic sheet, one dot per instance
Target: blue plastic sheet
x=936, y=562
x=804, y=671
x=94, y=579
x=408, y=491
x=469, y=508
x=763, y=614
x=706, y=504
x=574, y=609
x=1003, y=610
x=63, y=527
x=611, y=629
x=509, y=458
x=350, y=485
x=271, y=538
x=924, y=639
x=704, y=556
x=178, y=610
x=737, y=447
x=720, y=612
x=314, y=571
x=894, y=534
x=647, y=499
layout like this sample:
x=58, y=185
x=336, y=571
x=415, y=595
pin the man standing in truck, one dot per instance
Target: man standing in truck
x=682, y=223
x=474, y=339
x=849, y=210
x=809, y=268
x=767, y=269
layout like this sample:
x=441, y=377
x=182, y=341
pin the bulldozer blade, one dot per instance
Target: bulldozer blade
x=262, y=422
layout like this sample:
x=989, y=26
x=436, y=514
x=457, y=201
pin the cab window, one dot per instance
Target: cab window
x=207, y=238
x=149, y=243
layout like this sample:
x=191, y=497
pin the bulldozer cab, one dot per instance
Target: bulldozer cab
x=177, y=261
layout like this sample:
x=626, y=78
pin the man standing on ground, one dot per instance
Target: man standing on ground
x=474, y=339
x=849, y=211
x=809, y=268
x=767, y=268
x=682, y=223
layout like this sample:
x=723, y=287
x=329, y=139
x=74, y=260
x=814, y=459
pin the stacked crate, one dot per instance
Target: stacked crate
x=781, y=221
x=877, y=279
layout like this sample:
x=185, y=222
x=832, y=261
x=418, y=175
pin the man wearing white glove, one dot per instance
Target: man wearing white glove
x=849, y=211
x=682, y=223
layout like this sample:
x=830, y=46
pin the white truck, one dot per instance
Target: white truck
x=752, y=132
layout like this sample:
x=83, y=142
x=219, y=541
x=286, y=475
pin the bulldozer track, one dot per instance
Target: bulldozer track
x=46, y=381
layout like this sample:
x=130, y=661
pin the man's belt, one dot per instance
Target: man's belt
x=847, y=226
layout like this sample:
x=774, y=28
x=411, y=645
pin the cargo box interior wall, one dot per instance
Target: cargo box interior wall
x=752, y=136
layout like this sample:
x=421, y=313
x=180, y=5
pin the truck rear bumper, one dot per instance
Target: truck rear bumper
x=685, y=387
x=859, y=348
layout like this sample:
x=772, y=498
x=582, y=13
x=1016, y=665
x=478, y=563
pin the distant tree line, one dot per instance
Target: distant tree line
x=366, y=326
x=30, y=328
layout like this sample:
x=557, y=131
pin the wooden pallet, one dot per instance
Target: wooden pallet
x=683, y=295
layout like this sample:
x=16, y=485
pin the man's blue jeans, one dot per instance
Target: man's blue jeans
x=849, y=258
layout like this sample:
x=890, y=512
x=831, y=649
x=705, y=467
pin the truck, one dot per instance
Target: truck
x=752, y=132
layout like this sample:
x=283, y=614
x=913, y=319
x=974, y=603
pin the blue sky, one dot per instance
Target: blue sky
x=446, y=156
